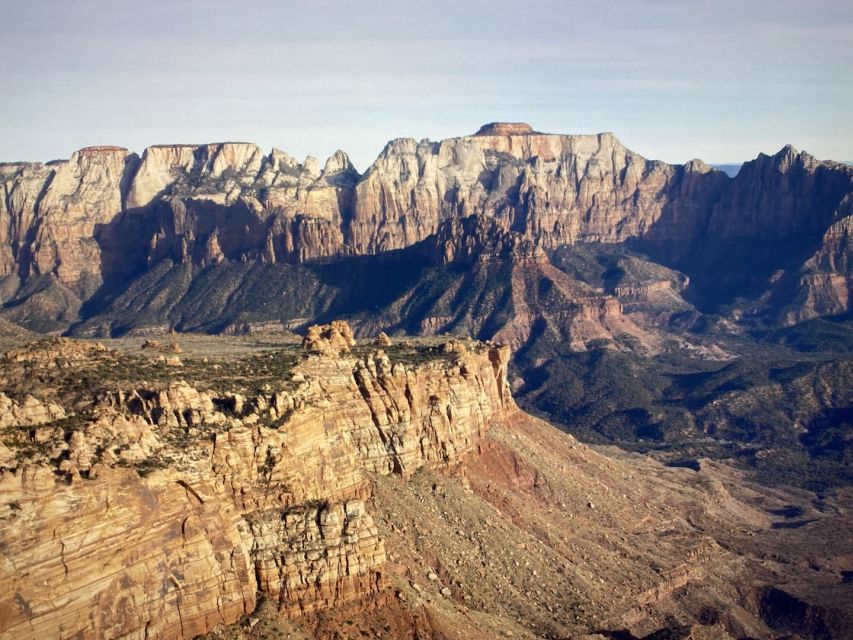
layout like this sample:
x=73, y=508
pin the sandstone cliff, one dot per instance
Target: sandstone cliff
x=824, y=285
x=164, y=510
x=94, y=222
x=371, y=492
x=553, y=188
x=67, y=218
x=50, y=215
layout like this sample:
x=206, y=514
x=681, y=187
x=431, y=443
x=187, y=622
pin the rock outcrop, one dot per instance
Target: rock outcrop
x=332, y=339
x=50, y=214
x=164, y=512
x=476, y=238
x=28, y=412
x=824, y=285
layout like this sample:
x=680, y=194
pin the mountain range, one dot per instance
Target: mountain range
x=773, y=242
x=583, y=256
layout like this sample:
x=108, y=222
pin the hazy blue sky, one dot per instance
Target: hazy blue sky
x=674, y=79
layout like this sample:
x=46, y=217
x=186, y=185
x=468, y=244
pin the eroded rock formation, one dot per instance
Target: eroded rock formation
x=332, y=339
x=106, y=214
x=493, y=282
x=824, y=285
x=28, y=412
x=163, y=512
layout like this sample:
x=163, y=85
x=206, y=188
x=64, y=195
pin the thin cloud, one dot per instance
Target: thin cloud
x=677, y=79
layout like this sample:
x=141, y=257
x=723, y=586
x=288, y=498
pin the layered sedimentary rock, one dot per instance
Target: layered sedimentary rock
x=331, y=339
x=28, y=412
x=70, y=219
x=318, y=486
x=50, y=214
x=106, y=214
x=161, y=512
x=190, y=169
x=824, y=286
x=552, y=188
x=120, y=556
x=477, y=238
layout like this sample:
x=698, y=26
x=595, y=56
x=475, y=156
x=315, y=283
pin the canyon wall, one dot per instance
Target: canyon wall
x=488, y=281
x=824, y=285
x=104, y=216
x=166, y=510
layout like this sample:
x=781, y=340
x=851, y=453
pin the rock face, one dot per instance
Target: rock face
x=68, y=228
x=505, y=129
x=69, y=219
x=824, y=285
x=551, y=188
x=392, y=492
x=50, y=213
x=27, y=413
x=466, y=240
x=166, y=511
x=492, y=282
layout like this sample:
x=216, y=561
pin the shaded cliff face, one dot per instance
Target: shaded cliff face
x=49, y=214
x=823, y=286
x=487, y=281
x=106, y=214
x=763, y=225
x=472, y=278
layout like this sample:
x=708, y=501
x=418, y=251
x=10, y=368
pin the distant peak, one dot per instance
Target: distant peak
x=697, y=166
x=787, y=150
x=338, y=162
x=505, y=129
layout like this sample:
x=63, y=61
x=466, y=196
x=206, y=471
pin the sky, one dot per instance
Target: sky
x=673, y=79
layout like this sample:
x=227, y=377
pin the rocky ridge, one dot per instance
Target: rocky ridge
x=71, y=228
x=824, y=285
x=492, y=281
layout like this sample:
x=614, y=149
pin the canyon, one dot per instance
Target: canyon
x=160, y=512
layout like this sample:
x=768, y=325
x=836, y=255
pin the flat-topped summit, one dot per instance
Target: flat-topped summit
x=103, y=148
x=505, y=129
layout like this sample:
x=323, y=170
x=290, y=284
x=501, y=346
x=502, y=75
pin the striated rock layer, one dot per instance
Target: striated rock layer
x=393, y=492
x=106, y=214
x=824, y=285
x=162, y=512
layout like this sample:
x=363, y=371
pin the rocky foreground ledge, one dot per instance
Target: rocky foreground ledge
x=328, y=490
x=153, y=497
